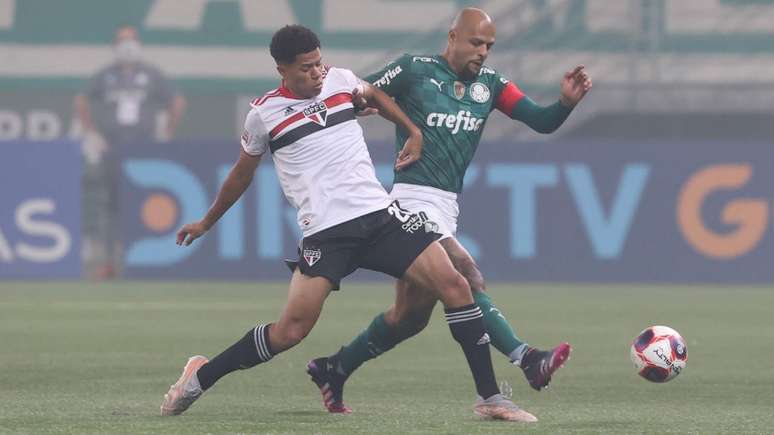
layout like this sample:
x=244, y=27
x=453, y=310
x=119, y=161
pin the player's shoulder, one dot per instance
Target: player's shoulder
x=254, y=120
x=489, y=74
x=336, y=72
x=421, y=59
x=262, y=100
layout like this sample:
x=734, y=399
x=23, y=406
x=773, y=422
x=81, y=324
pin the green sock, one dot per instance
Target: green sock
x=374, y=341
x=500, y=332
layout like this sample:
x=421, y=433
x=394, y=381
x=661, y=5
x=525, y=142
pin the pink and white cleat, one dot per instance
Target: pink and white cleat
x=498, y=407
x=538, y=366
x=186, y=390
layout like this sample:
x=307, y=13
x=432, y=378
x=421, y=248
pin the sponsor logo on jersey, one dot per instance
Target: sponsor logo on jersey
x=317, y=113
x=486, y=70
x=388, y=76
x=479, y=92
x=423, y=59
x=462, y=120
x=312, y=256
x=459, y=90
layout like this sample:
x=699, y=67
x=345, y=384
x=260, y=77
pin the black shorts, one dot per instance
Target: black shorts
x=387, y=241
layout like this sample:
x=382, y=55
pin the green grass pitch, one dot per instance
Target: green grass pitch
x=84, y=358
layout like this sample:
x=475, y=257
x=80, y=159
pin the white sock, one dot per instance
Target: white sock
x=518, y=354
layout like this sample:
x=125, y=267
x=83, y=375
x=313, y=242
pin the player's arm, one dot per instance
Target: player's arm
x=545, y=119
x=388, y=109
x=239, y=178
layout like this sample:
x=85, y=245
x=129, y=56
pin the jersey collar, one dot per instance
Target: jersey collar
x=287, y=93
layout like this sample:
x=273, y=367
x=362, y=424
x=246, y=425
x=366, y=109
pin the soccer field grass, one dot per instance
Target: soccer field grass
x=84, y=358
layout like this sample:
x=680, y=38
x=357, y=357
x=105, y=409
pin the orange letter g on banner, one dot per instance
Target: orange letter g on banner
x=749, y=215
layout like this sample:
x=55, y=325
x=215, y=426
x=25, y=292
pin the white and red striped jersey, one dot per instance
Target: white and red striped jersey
x=319, y=152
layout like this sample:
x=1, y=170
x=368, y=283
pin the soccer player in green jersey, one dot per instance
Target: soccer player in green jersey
x=450, y=96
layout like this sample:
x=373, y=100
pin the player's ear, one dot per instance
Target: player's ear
x=281, y=69
x=452, y=36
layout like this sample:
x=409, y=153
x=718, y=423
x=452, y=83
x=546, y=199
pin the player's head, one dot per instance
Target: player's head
x=296, y=50
x=127, y=45
x=471, y=36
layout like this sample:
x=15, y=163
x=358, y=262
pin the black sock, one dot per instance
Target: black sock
x=467, y=327
x=249, y=351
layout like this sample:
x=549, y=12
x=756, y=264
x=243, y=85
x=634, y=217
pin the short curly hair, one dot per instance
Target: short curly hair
x=292, y=40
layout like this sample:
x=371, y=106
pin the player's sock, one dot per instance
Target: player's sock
x=249, y=351
x=378, y=338
x=503, y=337
x=467, y=327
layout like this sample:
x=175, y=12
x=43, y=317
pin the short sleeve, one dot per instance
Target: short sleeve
x=351, y=80
x=255, y=137
x=394, y=78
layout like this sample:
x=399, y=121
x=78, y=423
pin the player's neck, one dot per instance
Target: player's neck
x=291, y=93
x=447, y=57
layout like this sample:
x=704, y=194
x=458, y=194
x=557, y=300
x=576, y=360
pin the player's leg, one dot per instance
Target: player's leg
x=433, y=270
x=405, y=318
x=305, y=301
x=537, y=365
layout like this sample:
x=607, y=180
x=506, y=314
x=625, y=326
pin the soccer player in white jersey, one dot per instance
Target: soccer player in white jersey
x=347, y=218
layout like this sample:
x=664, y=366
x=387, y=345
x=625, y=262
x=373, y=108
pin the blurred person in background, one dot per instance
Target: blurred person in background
x=121, y=105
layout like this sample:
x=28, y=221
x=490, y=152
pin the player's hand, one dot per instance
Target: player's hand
x=190, y=232
x=575, y=84
x=411, y=152
x=361, y=104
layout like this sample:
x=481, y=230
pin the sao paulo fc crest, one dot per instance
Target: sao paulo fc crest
x=312, y=256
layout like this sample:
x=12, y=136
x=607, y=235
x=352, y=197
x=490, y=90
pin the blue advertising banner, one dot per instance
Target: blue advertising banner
x=574, y=211
x=40, y=210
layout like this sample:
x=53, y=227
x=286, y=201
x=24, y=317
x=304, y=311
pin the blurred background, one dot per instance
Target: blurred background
x=663, y=173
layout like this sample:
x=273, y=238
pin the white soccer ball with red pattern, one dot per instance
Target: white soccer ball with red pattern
x=659, y=353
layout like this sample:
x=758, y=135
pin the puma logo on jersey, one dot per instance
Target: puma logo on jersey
x=462, y=120
x=388, y=76
x=437, y=83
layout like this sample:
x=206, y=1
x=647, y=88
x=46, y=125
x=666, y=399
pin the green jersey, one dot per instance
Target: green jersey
x=450, y=112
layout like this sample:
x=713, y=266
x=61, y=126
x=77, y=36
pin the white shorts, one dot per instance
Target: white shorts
x=440, y=206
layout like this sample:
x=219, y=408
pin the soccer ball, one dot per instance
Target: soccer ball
x=659, y=353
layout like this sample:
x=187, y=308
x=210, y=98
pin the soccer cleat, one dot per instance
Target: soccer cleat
x=186, y=390
x=330, y=383
x=538, y=366
x=498, y=407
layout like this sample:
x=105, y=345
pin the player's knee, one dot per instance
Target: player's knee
x=473, y=275
x=455, y=287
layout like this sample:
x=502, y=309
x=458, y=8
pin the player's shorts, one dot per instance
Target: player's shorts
x=439, y=205
x=387, y=241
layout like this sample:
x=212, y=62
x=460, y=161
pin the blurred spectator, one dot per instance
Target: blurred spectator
x=120, y=106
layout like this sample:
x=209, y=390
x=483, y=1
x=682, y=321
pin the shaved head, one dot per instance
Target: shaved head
x=470, y=18
x=471, y=36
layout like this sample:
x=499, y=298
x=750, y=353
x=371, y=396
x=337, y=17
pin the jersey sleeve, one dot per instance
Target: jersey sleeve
x=255, y=137
x=394, y=78
x=507, y=95
x=350, y=79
